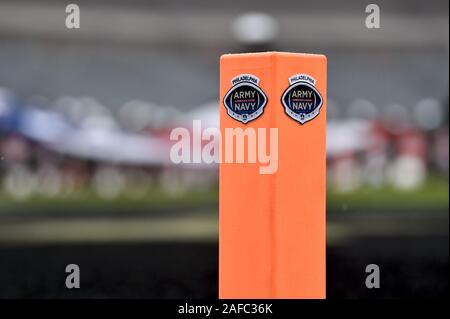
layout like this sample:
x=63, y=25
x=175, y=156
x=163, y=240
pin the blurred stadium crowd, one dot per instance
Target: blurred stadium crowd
x=91, y=110
x=74, y=145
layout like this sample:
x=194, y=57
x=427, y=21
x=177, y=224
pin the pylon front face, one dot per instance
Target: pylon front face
x=272, y=221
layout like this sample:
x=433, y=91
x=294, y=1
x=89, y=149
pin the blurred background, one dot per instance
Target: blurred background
x=85, y=117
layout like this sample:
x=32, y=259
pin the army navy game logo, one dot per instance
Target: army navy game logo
x=301, y=100
x=245, y=101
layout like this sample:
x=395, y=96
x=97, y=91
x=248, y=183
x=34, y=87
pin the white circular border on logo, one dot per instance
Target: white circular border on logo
x=252, y=116
x=295, y=116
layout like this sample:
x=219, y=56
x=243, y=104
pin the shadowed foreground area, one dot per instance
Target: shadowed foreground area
x=411, y=267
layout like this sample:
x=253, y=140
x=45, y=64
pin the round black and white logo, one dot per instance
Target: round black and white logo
x=301, y=100
x=245, y=101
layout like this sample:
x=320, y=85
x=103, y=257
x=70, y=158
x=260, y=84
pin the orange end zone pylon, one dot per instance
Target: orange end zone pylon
x=272, y=233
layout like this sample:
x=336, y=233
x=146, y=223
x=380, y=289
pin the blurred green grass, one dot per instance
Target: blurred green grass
x=154, y=200
x=432, y=196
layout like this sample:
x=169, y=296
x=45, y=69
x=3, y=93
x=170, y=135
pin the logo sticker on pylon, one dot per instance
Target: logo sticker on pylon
x=301, y=100
x=245, y=101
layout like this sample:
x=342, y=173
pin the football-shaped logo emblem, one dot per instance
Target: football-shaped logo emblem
x=301, y=100
x=245, y=101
